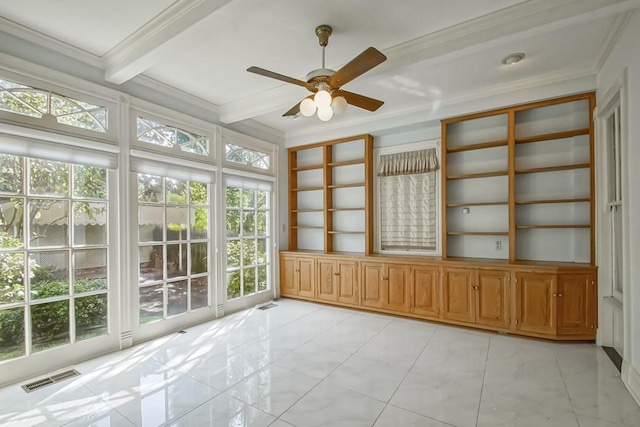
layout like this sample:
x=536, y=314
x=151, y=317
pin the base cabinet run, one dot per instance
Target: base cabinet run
x=546, y=301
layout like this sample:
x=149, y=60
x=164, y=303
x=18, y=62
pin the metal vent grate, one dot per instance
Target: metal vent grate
x=268, y=306
x=43, y=382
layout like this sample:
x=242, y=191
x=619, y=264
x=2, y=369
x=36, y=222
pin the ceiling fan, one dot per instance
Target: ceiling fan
x=326, y=84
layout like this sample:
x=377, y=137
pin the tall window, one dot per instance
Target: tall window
x=408, y=200
x=614, y=205
x=173, y=246
x=53, y=254
x=248, y=238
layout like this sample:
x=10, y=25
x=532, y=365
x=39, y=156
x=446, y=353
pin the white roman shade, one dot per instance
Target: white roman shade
x=409, y=162
x=157, y=164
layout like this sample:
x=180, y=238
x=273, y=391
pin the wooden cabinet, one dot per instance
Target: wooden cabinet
x=297, y=276
x=338, y=281
x=425, y=291
x=536, y=303
x=386, y=286
x=477, y=296
x=576, y=300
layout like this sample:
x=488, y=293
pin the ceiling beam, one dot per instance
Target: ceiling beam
x=142, y=49
x=533, y=16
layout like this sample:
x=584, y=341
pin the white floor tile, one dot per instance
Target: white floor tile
x=106, y=417
x=395, y=417
x=225, y=411
x=312, y=361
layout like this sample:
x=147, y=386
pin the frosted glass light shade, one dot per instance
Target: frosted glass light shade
x=307, y=107
x=339, y=105
x=322, y=98
x=325, y=113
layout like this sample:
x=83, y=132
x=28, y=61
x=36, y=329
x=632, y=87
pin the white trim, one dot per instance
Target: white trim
x=49, y=42
x=631, y=378
x=205, y=167
x=174, y=92
x=171, y=117
x=401, y=148
x=255, y=176
x=619, y=24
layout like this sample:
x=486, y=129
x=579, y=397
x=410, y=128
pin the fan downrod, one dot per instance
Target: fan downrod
x=323, y=32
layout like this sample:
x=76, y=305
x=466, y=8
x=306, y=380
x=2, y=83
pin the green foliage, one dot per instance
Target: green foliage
x=11, y=174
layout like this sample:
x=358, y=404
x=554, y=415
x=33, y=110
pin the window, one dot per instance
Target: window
x=170, y=136
x=53, y=254
x=173, y=246
x=614, y=196
x=246, y=156
x=38, y=103
x=248, y=239
x=408, y=199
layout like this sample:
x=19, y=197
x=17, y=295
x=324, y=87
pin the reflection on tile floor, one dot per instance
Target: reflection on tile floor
x=304, y=364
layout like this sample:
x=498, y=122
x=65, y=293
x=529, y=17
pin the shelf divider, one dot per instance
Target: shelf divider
x=346, y=163
x=478, y=233
x=530, y=227
x=357, y=184
x=464, y=205
x=554, y=168
x=306, y=168
x=490, y=144
x=545, y=201
x=478, y=175
x=552, y=136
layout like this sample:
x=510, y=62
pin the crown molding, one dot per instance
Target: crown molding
x=615, y=31
x=174, y=92
x=35, y=37
x=139, y=51
x=435, y=109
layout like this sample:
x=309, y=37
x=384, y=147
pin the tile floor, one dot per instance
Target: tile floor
x=304, y=365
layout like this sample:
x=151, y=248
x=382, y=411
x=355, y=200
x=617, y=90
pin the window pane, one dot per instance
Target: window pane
x=151, y=303
x=262, y=278
x=233, y=197
x=199, y=223
x=50, y=274
x=89, y=223
x=151, y=263
x=199, y=292
x=150, y=223
x=48, y=178
x=91, y=316
x=150, y=188
x=90, y=270
x=249, y=280
x=176, y=297
x=233, y=284
x=176, y=191
x=262, y=199
x=49, y=223
x=248, y=222
x=28, y=103
x=248, y=252
x=89, y=182
x=248, y=198
x=176, y=260
x=12, y=333
x=233, y=223
x=199, y=258
x=176, y=223
x=11, y=277
x=261, y=220
x=11, y=223
x=262, y=251
x=198, y=192
x=11, y=174
x=233, y=253
x=50, y=325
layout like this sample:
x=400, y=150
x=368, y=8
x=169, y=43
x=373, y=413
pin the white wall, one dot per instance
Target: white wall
x=625, y=55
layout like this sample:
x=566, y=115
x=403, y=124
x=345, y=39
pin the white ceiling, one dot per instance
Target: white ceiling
x=438, y=51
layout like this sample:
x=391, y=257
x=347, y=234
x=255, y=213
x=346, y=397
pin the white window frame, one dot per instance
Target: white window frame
x=378, y=152
x=241, y=140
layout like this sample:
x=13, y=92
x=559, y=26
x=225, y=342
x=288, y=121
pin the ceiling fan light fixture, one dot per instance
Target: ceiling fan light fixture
x=322, y=99
x=339, y=105
x=307, y=107
x=325, y=113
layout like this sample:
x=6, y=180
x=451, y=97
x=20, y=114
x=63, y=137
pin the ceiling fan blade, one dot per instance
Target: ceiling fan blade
x=359, y=65
x=361, y=101
x=267, y=73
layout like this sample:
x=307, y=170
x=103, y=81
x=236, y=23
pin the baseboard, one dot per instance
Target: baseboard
x=631, y=378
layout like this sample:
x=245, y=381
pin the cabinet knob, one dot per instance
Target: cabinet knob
x=385, y=278
x=559, y=295
x=337, y=274
x=476, y=288
x=554, y=295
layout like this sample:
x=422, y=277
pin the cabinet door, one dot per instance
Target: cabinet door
x=288, y=277
x=457, y=290
x=576, y=304
x=306, y=277
x=347, y=283
x=492, y=298
x=397, y=281
x=535, y=302
x=372, y=284
x=327, y=280
x=425, y=295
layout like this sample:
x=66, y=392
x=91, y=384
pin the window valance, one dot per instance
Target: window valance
x=411, y=162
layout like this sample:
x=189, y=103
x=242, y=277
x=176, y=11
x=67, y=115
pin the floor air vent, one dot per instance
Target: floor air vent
x=268, y=306
x=43, y=382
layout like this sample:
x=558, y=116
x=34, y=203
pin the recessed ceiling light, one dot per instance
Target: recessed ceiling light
x=514, y=58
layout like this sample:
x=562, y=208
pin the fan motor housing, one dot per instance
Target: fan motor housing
x=320, y=72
